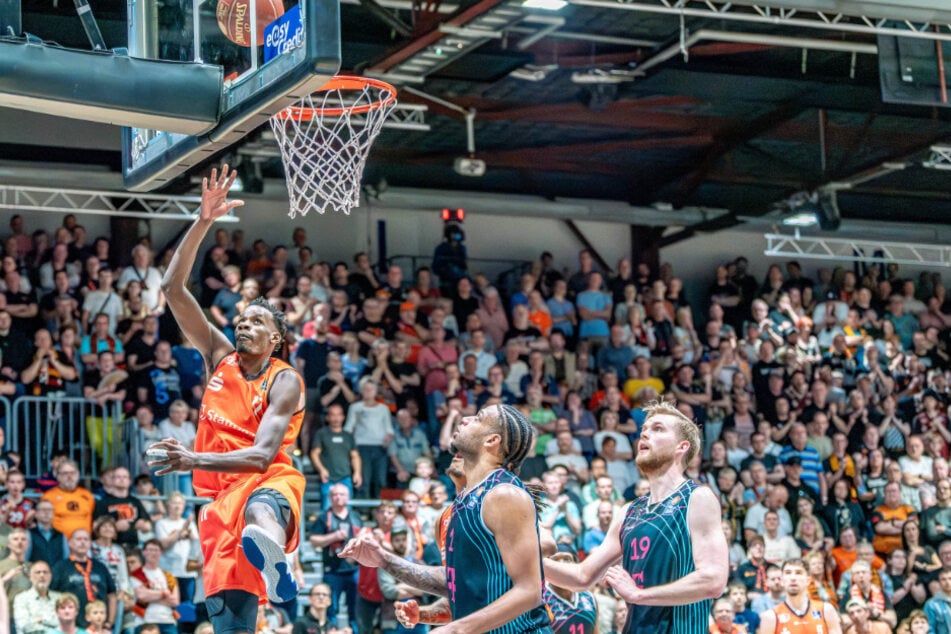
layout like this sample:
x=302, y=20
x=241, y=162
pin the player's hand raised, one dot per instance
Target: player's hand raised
x=365, y=550
x=179, y=458
x=214, y=194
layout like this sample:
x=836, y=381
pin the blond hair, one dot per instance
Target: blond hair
x=686, y=429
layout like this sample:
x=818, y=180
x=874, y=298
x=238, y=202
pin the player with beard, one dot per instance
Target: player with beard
x=493, y=572
x=251, y=413
x=798, y=614
x=663, y=555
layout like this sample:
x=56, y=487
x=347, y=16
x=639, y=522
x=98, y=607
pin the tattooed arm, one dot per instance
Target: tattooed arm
x=368, y=551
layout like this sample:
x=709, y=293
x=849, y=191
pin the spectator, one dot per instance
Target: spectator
x=86, y=578
x=409, y=444
x=67, y=615
x=156, y=591
x=938, y=607
x=125, y=508
x=775, y=500
x=742, y=615
x=561, y=516
x=594, y=310
x=50, y=370
x=161, y=384
x=104, y=550
x=562, y=311
x=334, y=387
x=875, y=601
x=150, y=277
x=73, y=505
x=315, y=618
x=752, y=572
x=936, y=521
x=888, y=520
x=493, y=318
x=46, y=543
x=335, y=457
x=34, y=610
x=812, y=473
x=778, y=548
x=332, y=530
x=594, y=535
x=16, y=511
x=860, y=613
x=723, y=616
x=774, y=594
x=370, y=422
x=178, y=536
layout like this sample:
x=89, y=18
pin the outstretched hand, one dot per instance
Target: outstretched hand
x=180, y=458
x=214, y=194
x=365, y=549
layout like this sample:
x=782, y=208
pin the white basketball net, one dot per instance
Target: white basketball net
x=324, y=154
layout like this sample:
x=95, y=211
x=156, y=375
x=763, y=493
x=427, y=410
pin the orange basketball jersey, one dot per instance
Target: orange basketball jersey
x=812, y=622
x=231, y=412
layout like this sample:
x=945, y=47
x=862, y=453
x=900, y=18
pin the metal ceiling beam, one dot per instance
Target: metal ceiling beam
x=22, y=198
x=583, y=239
x=859, y=250
x=762, y=14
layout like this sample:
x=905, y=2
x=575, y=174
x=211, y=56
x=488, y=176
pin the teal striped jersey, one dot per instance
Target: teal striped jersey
x=579, y=616
x=657, y=551
x=475, y=573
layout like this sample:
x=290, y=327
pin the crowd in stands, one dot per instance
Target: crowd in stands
x=822, y=402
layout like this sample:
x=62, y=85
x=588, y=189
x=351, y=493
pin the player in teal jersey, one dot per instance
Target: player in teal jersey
x=665, y=554
x=493, y=573
x=571, y=612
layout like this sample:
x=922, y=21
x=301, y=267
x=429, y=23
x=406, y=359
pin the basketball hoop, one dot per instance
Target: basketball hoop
x=325, y=139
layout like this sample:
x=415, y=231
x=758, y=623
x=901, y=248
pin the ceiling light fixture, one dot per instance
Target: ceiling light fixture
x=546, y=5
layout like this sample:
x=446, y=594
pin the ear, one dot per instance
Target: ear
x=275, y=337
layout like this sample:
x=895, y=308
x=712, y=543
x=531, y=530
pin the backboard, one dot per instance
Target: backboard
x=283, y=60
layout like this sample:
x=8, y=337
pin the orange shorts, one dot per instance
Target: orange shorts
x=221, y=522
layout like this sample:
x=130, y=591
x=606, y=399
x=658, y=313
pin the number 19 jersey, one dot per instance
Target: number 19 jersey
x=656, y=551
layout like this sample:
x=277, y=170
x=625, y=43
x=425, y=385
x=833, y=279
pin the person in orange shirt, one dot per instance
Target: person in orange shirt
x=798, y=614
x=250, y=416
x=73, y=505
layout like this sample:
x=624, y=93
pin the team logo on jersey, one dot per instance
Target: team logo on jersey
x=216, y=383
x=816, y=614
x=783, y=618
x=257, y=405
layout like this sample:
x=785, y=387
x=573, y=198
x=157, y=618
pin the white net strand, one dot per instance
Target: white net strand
x=324, y=155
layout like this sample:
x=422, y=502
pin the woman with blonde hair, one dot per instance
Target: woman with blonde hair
x=820, y=585
x=179, y=538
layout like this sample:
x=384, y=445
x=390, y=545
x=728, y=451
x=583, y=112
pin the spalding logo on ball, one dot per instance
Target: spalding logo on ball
x=235, y=22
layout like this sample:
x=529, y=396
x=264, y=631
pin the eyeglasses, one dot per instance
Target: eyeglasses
x=320, y=594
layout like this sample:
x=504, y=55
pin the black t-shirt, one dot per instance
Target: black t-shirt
x=164, y=385
x=314, y=354
x=335, y=448
x=68, y=576
x=24, y=324
x=325, y=385
x=327, y=522
x=462, y=308
x=524, y=334
x=375, y=328
x=124, y=508
x=144, y=353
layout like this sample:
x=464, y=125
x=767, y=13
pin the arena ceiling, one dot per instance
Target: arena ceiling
x=601, y=101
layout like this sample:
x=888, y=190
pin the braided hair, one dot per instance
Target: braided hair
x=517, y=435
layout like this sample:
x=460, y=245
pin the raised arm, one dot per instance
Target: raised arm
x=710, y=560
x=210, y=341
x=286, y=399
x=582, y=576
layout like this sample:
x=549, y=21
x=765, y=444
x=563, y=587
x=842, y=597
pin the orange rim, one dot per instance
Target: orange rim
x=343, y=82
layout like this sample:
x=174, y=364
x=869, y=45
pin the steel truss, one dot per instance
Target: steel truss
x=101, y=203
x=797, y=246
x=799, y=17
x=940, y=158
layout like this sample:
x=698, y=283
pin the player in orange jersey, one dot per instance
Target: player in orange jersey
x=251, y=413
x=799, y=614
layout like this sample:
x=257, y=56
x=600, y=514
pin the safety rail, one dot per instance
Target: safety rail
x=88, y=431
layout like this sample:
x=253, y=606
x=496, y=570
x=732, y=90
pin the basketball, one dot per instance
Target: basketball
x=235, y=22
